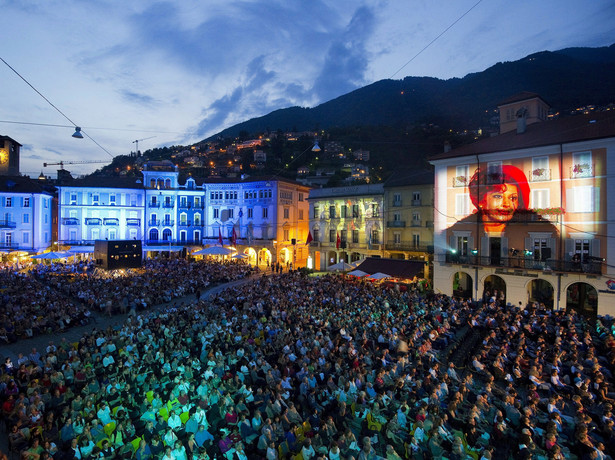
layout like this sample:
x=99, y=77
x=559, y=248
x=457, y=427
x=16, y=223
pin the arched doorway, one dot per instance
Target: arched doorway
x=583, y=298
x=462, y=285
x=285, y=256
x=264, y=257
x=166, y=234
x=495, y=286
x=354, y=257
x=251, y=256
x=540, y=291
x=153, y=234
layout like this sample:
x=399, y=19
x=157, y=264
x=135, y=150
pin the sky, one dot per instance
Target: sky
x=176, y=72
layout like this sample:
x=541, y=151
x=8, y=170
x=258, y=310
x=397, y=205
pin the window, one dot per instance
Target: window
x=462, y=174
x=286, y=213
x=355, y=236
x=26, y=202
x=316, y=212
x=95, y=199
x=344, y=211
x=462, y=204
x=416, y=240
x=9, y=202
x=265, y=213
x=540, y=198
x=197, y=201
x=286, y=235
x=26, y=218
x=331, y=212
x=581, y=247
x=332, y=236
x=73, y=198
x=462, y=245
x=540, y=169
x=344, y=236
x=540, y=244
x=216, y=213
x=581, y=165
x=316, y=234
x=355, y=211
x=582, y=199
x=397, y=199
x=375, y=210
x=25, y=237
x=197, y=219
x=183, y=218
x=250, y=213
x=397, y=217
x=397, y=237
x=112, y=201
x=416, y=198
x=300, y=214
x=375, y=237
x=300, y=196
x=46, y=204
x=416, y=219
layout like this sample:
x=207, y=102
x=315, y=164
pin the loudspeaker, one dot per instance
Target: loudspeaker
x=545, y=253
x=293, y=241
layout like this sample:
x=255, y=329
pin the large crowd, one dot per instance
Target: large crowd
x=290, y=366
x=46, y=298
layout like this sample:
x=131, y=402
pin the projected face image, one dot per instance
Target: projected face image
x=500, y=204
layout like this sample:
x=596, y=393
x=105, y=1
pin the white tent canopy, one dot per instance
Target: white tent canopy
x=358, y=273
x=52, y=255
x=240, y=255
x=340, y=266
x=379, y=276
x=214, y=251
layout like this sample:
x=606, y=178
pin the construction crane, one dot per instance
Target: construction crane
x=74, y=162
x=137, y=142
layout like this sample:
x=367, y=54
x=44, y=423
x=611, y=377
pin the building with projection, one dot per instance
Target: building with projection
x=524, y=215
x=264, y=218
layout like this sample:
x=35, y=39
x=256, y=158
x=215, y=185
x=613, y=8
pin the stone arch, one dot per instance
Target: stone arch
x=583, y=298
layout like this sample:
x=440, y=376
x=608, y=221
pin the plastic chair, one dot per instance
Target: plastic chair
x=184, y=417
x=164, y=412
x=372, y=424
x=100, y=443
x=109, y=428
x=150, y=396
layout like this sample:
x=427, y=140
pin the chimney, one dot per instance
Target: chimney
x=521, y=120
x=447, y=146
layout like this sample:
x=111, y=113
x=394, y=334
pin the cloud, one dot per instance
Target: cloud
x=141, y=99
x=347, y=58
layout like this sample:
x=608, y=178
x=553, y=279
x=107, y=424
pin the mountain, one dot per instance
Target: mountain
x=565, y=79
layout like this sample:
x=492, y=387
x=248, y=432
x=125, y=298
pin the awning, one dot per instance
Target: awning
x=162, y=248
x=81, y=249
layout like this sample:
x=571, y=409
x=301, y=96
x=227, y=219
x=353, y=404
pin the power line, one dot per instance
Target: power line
x=54, y=106
x=431, y=42
x=90, y=127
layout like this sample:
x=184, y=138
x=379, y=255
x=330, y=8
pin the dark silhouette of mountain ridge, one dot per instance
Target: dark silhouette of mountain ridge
x=565, y=79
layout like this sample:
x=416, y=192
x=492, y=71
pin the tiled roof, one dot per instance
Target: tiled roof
x=522, y=96
x=20, y=184
x=107, y=182
x=401, y=178
x=575, y=128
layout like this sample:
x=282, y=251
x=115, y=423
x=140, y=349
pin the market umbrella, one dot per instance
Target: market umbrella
x=379, y=276
x=51, y=255
x=240, y=255
x=357, y=273
x=341, y=266
x=214, y=251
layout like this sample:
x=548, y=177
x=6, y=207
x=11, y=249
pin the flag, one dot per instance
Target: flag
x=234, y=237
x=309, y=238
x=220, y=237
x=338, y=243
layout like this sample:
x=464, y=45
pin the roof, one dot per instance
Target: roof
x=576, y=128
x=106, y=182
x=348, y=190
x=397, y=268
x=6, y=138
x=522, y=96
x=402, y=178
x=20, y=184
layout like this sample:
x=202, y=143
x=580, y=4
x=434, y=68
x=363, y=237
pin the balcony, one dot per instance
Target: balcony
x=93, y=221
x=415, y=223
x=153, y=223
x=7, y=224
x=185, y=223
x=581, y=170
x=167, y=223
x=314, y=244
x=408, y=246
x=153, y=204
x=396, y=223
x=417, y=202
x=397, y=203
x=168, y=204
x=111, y=221
x=70, y=221
x=7, y=245
x=185, y=205
x=591, y=266
x=133, y=222
x=540, y=175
